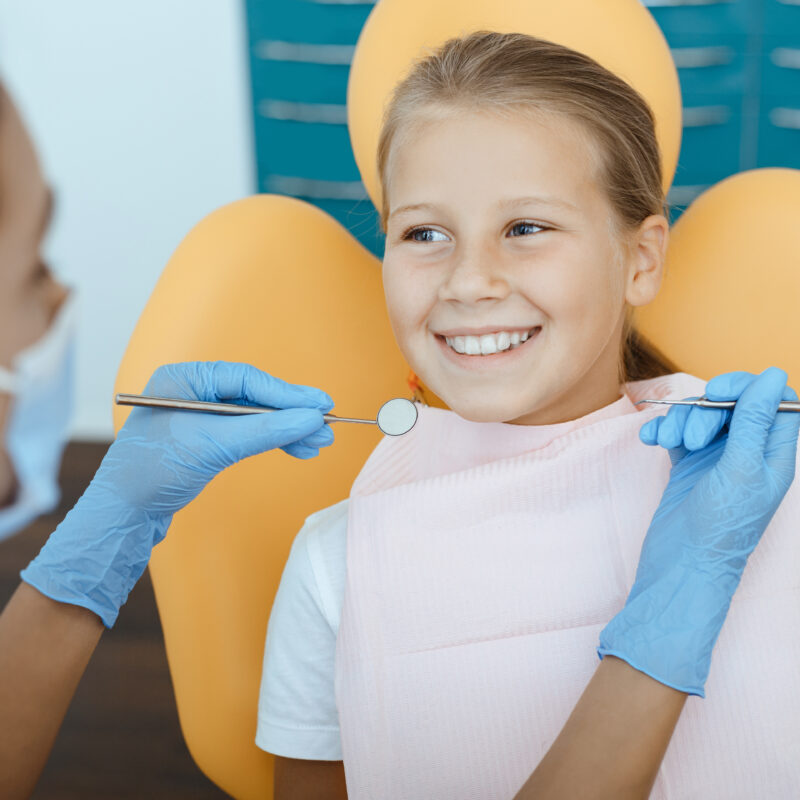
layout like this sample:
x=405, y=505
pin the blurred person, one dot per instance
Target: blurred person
x=37, y=317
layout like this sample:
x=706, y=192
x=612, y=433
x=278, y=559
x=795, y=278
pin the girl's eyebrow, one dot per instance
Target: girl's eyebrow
x=502, y=205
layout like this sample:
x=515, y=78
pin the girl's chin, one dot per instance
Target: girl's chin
x=483, y=411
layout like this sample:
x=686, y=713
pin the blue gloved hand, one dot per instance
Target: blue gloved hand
x=159, y=462
x=730, y=471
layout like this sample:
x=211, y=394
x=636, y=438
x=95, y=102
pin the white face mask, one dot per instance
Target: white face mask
x=40, y=382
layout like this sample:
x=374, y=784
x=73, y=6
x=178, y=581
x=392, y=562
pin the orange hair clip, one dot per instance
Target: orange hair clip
x=416, y=390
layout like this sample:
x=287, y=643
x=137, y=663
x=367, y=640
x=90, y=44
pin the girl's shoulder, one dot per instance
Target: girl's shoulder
x=297, y=716
x=324, y=538
x=327, y=518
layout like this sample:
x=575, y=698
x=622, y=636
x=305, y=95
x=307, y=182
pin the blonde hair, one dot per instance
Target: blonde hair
x=514, y=73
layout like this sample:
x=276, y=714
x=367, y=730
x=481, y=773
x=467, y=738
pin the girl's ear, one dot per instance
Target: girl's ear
x=648, y=252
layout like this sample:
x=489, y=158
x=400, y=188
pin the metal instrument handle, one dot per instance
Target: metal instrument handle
x=230, y=409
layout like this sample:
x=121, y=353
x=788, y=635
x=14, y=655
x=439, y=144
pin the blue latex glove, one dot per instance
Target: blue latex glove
x=730, y=472
x=159, y=462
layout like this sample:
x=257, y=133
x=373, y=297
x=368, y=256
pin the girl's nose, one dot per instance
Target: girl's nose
x=473, y=277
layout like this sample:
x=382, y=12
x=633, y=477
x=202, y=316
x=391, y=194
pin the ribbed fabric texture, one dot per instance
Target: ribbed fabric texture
x=483, y=559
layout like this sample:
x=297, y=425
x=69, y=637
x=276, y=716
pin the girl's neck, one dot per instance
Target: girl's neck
x=572, y=405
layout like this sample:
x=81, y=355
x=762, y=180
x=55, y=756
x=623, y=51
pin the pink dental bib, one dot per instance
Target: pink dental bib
x=483, y=559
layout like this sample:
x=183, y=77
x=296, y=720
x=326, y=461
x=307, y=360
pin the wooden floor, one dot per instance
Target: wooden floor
x=120, y=738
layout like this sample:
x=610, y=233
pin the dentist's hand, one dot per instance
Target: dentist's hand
x=731, y=469
x=159, y=462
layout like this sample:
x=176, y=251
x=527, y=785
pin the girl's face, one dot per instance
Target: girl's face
x=508, y=230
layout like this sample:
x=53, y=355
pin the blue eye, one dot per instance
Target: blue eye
x=411, y=233
x=529, y=225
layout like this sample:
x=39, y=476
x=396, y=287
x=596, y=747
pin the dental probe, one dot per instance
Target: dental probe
x=784, y=405
x=395, y=417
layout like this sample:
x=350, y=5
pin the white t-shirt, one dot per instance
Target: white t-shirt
x=297, y=715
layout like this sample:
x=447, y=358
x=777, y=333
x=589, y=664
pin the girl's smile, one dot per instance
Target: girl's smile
x=501, y=359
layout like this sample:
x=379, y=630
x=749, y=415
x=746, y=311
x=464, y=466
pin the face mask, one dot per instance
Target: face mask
x=40, y=383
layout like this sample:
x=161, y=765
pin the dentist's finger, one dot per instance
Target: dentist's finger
x=300, y=451
x=702, y=425
x=780, y=452
x=648, y=433
x=670, y=431
x=250, y=434
x=321, y=438
x=244, y=382
x=230, y=381
x=752, y=421
x=729, y=385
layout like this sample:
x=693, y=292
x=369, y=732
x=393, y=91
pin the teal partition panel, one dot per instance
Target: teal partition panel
x=300, y=53
x=739, y=68
x=738, y=63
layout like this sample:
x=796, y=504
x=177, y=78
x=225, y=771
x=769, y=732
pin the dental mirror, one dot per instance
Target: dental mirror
x=396, y=416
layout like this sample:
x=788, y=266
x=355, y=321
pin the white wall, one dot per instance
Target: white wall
x=141, y=115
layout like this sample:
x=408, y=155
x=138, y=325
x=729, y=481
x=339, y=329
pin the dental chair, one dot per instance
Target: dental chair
x=276, y=282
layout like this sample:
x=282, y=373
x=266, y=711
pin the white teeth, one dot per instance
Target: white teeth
x=487, y=343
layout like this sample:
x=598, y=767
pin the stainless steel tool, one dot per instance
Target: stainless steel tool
x=784, y=405
x=395, y=417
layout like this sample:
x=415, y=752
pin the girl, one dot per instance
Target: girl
x=435, y=629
